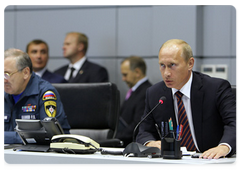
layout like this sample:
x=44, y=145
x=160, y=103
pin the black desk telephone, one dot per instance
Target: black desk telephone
x=69, y=143
x=37, y=135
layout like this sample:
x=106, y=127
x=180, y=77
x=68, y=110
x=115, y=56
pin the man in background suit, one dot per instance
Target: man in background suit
x=80, y=70
x=38, y=52
x=133, y=71
x=209, y=102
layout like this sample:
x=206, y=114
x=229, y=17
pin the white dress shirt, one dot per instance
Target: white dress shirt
x=77, y=67
x=139, y=83
x=185, y=90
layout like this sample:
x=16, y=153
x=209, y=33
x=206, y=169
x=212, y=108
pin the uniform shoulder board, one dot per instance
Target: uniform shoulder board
x=49, y=95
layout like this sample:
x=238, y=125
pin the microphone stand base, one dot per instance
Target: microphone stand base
x=139, y=150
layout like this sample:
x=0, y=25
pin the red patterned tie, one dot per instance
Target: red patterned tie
x=187, y=139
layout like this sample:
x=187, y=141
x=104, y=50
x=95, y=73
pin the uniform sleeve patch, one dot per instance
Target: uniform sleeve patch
x=50, y=108
x=49, y=95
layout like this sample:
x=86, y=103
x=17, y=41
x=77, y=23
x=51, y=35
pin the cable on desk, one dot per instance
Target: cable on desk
x=106, y=152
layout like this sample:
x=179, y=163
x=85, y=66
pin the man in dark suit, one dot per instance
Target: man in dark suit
x=80, y=70
x=133, y=71
x=209, y=102
x=38, y=52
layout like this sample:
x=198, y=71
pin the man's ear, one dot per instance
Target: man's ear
x=138, y=72
x=26, y=73
x=190, y=63
x=80, y=47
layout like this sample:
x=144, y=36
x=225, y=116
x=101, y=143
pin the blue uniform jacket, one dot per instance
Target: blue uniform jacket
x=39, y=100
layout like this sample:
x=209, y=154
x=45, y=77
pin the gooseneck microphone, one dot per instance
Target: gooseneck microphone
x=161, y=101
x=138, y=149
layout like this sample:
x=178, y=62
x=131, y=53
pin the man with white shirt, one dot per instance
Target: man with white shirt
x=80, y=70
x=38, y=52
x=208, y=104
x=133, y=71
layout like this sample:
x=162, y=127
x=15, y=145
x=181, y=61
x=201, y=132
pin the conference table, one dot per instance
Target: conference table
x=25, y=157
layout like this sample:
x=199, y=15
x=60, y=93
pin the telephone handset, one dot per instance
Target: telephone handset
x=71, y=143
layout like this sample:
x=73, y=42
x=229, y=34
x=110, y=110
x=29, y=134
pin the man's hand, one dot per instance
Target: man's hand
x=215, y=153
x=154, y=144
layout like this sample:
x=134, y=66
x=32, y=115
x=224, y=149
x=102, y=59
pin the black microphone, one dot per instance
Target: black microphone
x=138, y=149
x=161, y=101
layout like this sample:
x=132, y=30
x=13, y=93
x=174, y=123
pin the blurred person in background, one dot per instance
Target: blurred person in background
x=133, y=71
x=80, y=70
x=38, y=52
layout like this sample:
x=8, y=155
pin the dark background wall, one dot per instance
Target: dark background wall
x=116, y=32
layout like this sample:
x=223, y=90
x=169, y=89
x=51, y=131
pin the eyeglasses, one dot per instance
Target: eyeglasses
x=8, y=75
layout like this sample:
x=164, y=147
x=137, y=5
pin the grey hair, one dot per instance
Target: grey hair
x=22, y=58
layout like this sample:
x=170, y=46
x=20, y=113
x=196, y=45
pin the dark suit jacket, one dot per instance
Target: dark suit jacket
x=213, y=111
x=88, y=73
x=131, y=112
x=53, y=78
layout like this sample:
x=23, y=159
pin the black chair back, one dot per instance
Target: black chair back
x=92, y=109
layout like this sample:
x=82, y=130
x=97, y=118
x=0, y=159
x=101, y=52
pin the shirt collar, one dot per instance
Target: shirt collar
x=78, y=64
x=139, y=83
x=186, y=88
x=40, y=73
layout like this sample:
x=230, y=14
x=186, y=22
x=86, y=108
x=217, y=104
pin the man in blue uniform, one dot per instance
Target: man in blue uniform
x=27, y=96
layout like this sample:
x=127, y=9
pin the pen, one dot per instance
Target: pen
x=170, y=124
x=166, y=128
x=180, y=132
x=158, y=131
x=177, y=132
x=162, y=128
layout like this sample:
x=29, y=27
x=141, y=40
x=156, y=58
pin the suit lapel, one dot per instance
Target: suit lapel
x=81, y=71
x=170, y=105
x=62, y=71
x=45, y=75
x=197, y=107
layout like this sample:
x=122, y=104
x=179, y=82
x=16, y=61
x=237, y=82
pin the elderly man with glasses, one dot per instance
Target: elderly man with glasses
x=27, y=96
